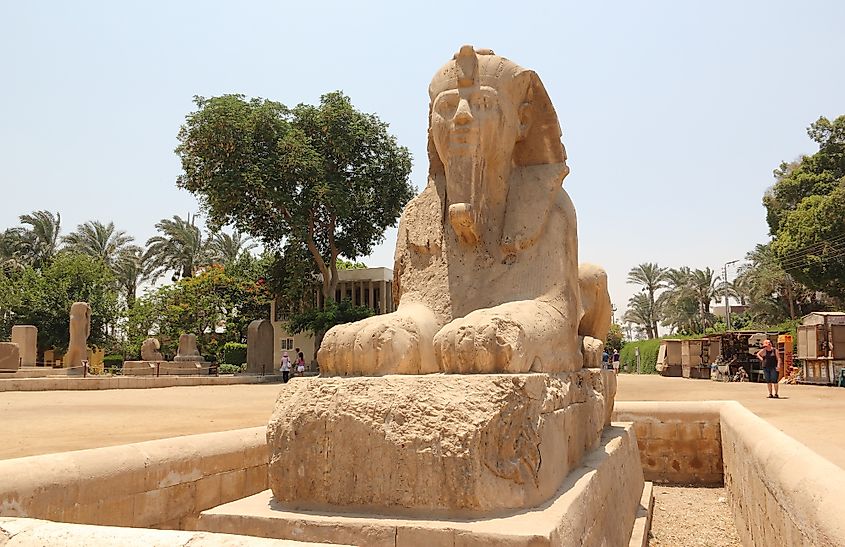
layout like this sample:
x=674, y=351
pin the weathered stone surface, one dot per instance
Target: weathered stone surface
x=188, y=349
x=486, y=263
x=150, y=350
x=433, y=444
x=80, y=329
x=259, y=347
x=26, y=337
x=10, y=357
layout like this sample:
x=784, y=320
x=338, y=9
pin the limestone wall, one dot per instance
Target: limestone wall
x=782, y=493
x=163, y=483
x=23, y=532
x=679, y=443
x=124, y=382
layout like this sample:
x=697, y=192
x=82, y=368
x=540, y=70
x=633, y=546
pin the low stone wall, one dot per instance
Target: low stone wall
x=680, y=443
x=127, y=382
x=781, y=492
x=23, y=532
x=163, y=483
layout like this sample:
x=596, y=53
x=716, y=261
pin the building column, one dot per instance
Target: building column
x=370, y=294
x=383, y=296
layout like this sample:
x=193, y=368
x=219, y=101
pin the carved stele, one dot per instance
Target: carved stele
x=259, y=347
x=187, y=350
x=488, y=281
x=80, y=330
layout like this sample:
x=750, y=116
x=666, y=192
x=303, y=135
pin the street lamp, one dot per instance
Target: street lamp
x=727, y=302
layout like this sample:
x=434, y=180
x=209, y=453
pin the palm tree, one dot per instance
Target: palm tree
x=773, y=294
x=642, y=312
x=98, y=240
x=703, y=285
x=40, y=242
x=181, y=247
x=651, y=277
x=130, y=270
x=225, y=249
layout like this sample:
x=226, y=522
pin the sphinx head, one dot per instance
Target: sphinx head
x=488, y=116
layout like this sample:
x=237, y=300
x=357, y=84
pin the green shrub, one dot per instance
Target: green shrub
x=648, y=356
x=227, y=368
x=234, y=353
x=113, y=361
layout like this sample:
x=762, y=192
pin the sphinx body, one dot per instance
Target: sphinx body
x=486, y=265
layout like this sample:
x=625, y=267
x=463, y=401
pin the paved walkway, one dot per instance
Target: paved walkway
x=33, y=422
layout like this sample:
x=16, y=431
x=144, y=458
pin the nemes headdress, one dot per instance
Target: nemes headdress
x=470, y=67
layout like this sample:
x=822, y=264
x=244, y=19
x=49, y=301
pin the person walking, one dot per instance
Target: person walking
x=285, y=367
x=770, y=360
x=615, y=361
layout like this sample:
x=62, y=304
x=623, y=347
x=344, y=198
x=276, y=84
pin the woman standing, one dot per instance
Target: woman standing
x=285, y=367
x=770, y=359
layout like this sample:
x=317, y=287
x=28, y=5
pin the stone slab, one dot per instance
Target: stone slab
x=10, y=356
x=597, y=505
x=642, y=524
x=26, y=337
x=469, y=444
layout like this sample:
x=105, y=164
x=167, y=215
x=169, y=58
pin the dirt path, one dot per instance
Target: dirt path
x=692, y=517
x=810, y=414
x=33, y=422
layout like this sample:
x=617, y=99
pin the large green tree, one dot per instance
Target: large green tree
x=806, y=215
x=327, y=176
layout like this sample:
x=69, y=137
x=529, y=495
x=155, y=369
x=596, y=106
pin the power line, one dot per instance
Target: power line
x=804, y=250
x=822, y=260
x=832, y=249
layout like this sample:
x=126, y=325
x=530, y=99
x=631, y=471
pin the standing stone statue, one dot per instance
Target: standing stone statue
x=259, y=347
x=150, y=350
x=80, y=330
x=188, y=349
x=26, y=337
x=486, y=264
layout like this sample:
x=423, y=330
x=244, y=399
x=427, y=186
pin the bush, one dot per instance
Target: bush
x=113, y=361
x=648, y=356
x=234, y=353
x=227, y=368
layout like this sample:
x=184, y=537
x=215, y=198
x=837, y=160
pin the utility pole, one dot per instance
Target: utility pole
x=727, y=302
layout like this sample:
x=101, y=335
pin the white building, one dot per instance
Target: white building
x=371, y=287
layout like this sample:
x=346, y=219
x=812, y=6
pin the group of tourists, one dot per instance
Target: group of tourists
x=610, y=361
x=298, y=367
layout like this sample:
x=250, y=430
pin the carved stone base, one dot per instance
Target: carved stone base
x=433, y=444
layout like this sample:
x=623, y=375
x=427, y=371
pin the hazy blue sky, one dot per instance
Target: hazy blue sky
x=674, y=114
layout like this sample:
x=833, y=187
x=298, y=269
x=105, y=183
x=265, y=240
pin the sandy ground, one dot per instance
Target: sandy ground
x=33, y=422
x=692, y=517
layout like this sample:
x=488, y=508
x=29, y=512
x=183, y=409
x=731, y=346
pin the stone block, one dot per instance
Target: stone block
x=232, y=485
x=452, y=443
x=10, y=356
x=26, y=337
x=208, y=492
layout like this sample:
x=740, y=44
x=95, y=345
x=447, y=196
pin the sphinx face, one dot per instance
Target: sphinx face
x=474, y=130
x=473, y=124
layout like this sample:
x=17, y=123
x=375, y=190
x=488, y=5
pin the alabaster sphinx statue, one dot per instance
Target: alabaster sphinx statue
x=480, y=397
x=486, y=264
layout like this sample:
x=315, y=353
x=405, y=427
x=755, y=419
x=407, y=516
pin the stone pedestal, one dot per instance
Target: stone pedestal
x=26, y=337
x=433, y=444
x=10, y=357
